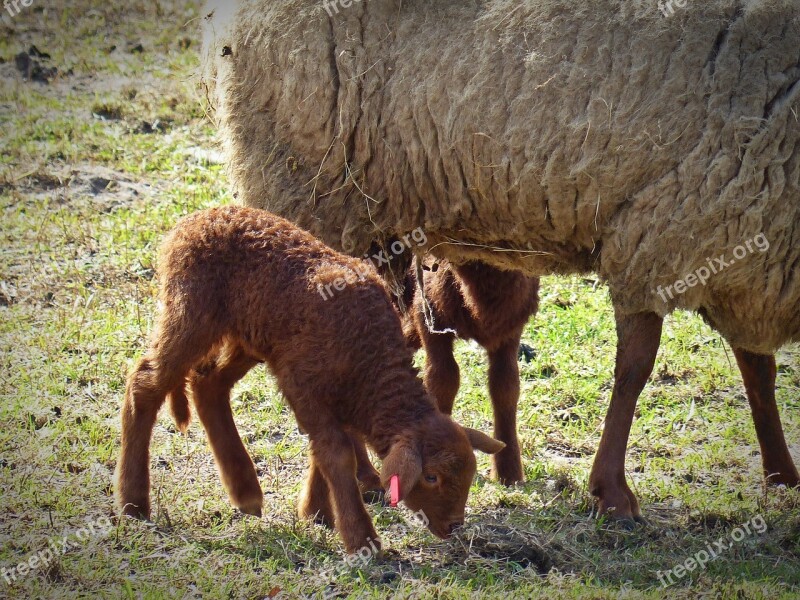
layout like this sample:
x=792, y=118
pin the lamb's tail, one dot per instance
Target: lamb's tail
x=179, y=407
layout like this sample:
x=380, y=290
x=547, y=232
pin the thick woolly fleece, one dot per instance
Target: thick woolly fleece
x=541, y=135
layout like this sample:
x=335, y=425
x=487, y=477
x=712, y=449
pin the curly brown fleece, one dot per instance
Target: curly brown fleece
x=239, y=286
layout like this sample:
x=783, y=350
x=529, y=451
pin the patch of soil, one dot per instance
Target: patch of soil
x=32, y=66
x=500, y=542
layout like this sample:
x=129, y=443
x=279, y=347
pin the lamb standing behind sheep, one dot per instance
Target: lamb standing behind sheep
x=548, y=136
x=239, y=287
x=474, y=301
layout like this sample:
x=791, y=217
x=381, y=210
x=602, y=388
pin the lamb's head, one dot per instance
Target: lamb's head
x=433, y=470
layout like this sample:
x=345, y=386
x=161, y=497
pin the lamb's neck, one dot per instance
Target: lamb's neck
x=399, y=407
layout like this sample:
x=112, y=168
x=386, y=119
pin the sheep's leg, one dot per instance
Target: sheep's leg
x=315, y=500
x=638, y=338
x=758, y=372
x=442, y=376
x=504, y=390
x=369, y=480
x=162, y=370
x=332, y=451
x=211, y=393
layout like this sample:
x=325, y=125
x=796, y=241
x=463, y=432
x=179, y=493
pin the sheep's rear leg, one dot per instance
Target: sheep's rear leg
x=211, y=392
x=504, y=391
x=758, y=372
x=638, y=338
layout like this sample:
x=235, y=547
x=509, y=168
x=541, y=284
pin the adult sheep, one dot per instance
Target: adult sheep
x=549, y=136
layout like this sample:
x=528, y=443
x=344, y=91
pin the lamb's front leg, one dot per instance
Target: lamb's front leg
x=333, y=453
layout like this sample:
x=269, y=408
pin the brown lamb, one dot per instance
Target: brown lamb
x=475, y=301
x=239, y=286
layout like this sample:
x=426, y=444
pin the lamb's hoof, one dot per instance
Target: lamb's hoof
x=369, y=483
x=373, y=496
x=252, y=510
x=249, y=503
x=136, y=511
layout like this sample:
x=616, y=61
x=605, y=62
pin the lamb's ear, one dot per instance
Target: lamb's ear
x=484, y=443
x=404, y=462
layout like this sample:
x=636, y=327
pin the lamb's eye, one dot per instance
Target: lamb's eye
x=431, y=478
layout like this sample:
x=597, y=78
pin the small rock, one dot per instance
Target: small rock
x=526, y=353
x=147, y=128
x=99, y=184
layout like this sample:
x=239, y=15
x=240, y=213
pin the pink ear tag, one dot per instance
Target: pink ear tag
x=394, y=490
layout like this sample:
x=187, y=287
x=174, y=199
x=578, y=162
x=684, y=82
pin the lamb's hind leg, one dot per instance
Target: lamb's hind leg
x=369, y=480
x=211, y=389
x=163, y=369
x=638, y=338
x=504, y=391
x=315, y=499
x=758, y=372
x=442, y=377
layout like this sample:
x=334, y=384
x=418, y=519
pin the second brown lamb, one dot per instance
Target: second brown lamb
x=474, y=301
